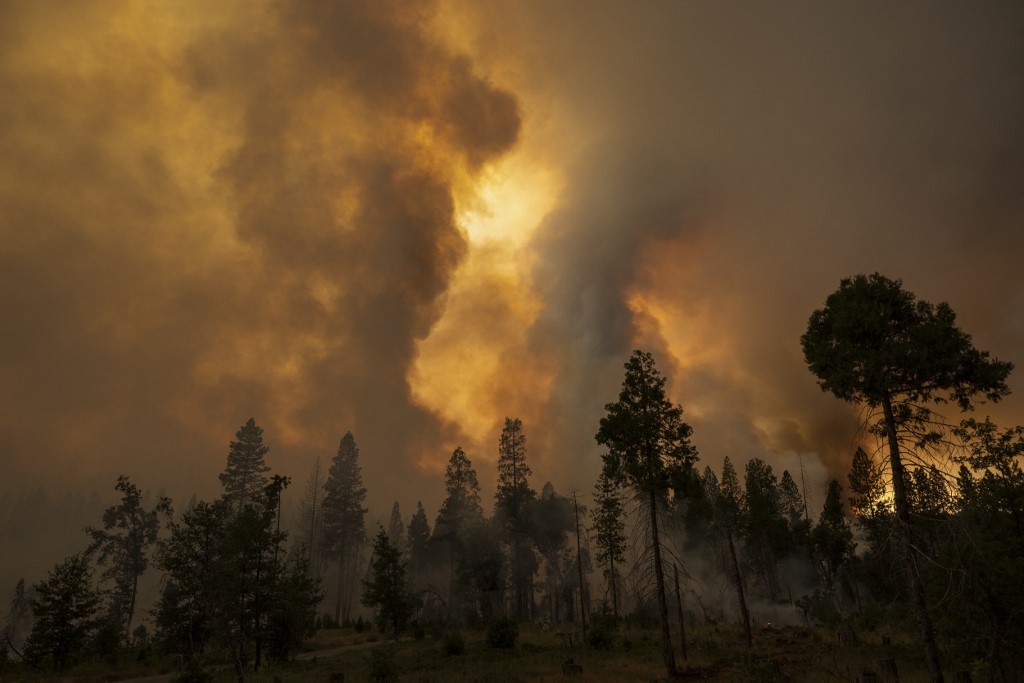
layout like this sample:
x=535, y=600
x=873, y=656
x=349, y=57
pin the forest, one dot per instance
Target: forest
x=663, y=558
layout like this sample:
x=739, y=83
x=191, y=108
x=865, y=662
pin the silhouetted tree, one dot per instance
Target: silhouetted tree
x=646, y=440
x=460, y=512
x=831, y=537
x=765, y=528
x=18, y=616
x=609, y=527
x=418, y=545
x=396, y=528
x=874, y=343
x=244, y=478
x=729, y=505
x=311, y=518
x=548, y=521
x=344, y=520
x=387, y=589
x=64, y=608
x=128, y=533
x=511, y=498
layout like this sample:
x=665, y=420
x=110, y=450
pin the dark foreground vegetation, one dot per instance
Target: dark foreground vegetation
x=914, y=569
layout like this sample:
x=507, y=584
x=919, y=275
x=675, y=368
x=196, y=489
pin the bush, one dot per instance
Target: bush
x=600, y=638
x=503, y=633
x=601, y=635
x=418, y=631
x=454, y=644
x=195, y=671
x=382, y=666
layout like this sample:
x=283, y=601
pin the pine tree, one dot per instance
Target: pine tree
x=64, y=608
x=418, y=545
x=765, y=530
x=831, y=536
x=387, y=590
x=729, y=505
x=344, y=519
x=396, y=528
x=511, y=498
x=244, y=478
x=609, y=533
x=17, y=617
x=647, y=441
x=128, y=533
x=459, y=514
x=874, y=343
x=311, y=518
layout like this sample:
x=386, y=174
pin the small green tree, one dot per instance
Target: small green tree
x=387, y=589
x=129, y=531
x=647, y=440
x=65, y=610
x=875, y=343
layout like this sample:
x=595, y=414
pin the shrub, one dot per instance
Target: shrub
x=195, y=671
x=503, y=633
x=454, y=644
x=382, y=666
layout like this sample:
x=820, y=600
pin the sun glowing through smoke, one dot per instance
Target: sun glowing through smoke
x=463, y=367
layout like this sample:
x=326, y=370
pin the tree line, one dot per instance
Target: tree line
x=943, y=502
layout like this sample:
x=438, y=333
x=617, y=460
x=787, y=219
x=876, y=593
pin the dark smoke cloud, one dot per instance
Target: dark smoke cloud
x=212, y=215
x=215, y=211
x=732, y=163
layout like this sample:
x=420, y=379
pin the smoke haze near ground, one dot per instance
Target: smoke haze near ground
x=411, y=223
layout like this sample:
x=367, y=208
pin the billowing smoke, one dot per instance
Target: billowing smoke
x=209, y=214
x=211, y=211
x=726, y=166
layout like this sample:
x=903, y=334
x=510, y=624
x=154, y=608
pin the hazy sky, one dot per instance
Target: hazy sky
x=411, y=220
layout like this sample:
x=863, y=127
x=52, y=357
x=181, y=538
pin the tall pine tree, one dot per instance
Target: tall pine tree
x=648, y=443
x=345, y=520
x=245, y=477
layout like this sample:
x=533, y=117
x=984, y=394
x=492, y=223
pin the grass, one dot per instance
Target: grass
x=716, y=653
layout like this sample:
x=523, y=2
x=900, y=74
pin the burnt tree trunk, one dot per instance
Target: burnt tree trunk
x=905, y=535
x=738, y=579
x=659, y=577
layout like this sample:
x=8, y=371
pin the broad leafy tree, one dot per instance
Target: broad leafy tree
x=124, y=543
x=345, y=520
x=65, y=611
x=874, y=343
x=647, y=441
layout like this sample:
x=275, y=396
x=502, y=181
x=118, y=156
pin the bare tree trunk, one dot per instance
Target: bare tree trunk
x=744, y=614
x=579, y=566
x=924, y=622
x=659, y=576
x=341, y=583
x=682, y=624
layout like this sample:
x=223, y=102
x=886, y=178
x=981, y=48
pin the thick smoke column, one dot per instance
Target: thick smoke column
x=726, y=166
x=212, y=213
